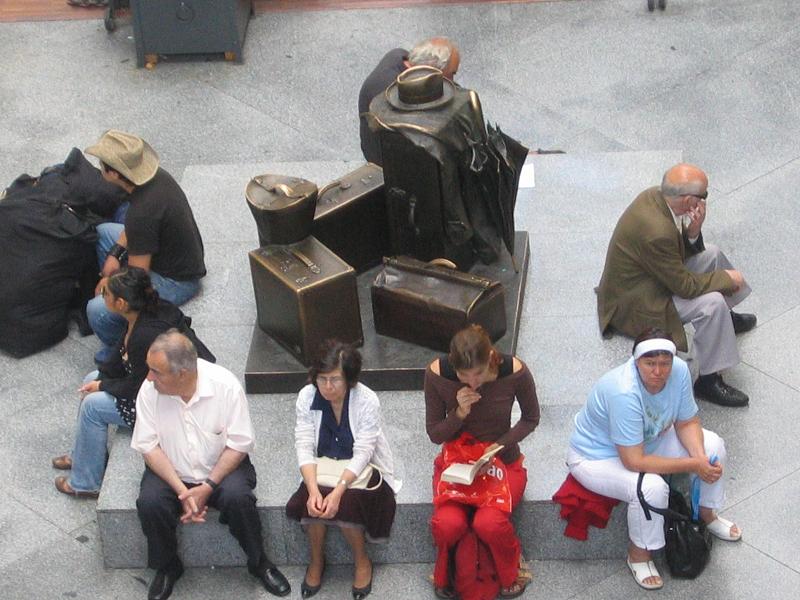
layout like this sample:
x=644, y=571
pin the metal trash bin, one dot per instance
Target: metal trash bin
x=189, y=27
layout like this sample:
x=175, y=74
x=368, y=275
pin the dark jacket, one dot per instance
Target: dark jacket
x=124, y=373
x=645, y=268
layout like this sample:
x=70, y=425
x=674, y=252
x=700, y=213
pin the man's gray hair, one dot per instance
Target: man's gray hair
x=671, y=189
x=431, y=53
x=178, y=349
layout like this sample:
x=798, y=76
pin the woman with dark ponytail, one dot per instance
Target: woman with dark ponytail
x=109, y=395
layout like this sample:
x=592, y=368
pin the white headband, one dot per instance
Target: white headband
x=653, y=345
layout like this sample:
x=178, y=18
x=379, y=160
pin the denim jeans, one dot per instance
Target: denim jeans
x=98, y=410
x=107, y=236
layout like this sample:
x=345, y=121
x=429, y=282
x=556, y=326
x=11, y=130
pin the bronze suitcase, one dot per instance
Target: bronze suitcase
x=427, y=304
x=350, y=218
x=305, y=294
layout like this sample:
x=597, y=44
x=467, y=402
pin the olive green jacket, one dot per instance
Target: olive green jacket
x=645, y=268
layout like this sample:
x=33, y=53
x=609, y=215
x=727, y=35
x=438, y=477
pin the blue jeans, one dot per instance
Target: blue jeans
x=107, y=236
x=98, y=410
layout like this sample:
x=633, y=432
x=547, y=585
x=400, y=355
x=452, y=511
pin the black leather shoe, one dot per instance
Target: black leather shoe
x=161, y=586
x=743, y=322
x=306, y=591
x=712, y=389
x=274, y=581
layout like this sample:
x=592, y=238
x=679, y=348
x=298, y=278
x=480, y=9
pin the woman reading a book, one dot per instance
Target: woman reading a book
x=339, y=418
x=641, y=417
x=472, y=391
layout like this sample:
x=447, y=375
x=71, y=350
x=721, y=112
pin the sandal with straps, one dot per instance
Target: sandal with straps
x=643, y=570
x=721, y=528
x=516, y=589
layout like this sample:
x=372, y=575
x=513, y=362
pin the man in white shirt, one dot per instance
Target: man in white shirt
x=193, y=429
x=659, y=273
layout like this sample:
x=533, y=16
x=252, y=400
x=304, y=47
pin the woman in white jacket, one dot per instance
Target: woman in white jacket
x=339, y=418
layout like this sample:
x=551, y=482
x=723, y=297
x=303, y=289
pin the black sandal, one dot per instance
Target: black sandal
x=445, y=593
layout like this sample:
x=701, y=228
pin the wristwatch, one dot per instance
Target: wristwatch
x=211, y=483
x=343, y=482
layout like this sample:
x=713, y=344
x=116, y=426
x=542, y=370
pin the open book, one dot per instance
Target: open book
x=464, y=473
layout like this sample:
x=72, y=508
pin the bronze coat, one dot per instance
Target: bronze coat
x=645, y=268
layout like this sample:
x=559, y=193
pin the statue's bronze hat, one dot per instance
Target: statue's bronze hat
x=420, y=88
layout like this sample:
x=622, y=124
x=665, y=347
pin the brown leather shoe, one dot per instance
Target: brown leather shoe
x=63, y=462
x=63, y=486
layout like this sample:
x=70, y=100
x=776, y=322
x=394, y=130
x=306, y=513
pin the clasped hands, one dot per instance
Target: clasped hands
x=193, y=503
x=327, y=507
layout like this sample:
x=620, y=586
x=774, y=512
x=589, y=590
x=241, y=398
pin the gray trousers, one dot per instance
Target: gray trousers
x=714, y=339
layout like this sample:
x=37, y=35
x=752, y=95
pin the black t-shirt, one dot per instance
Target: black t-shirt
x=160, y=223
x=382, y=76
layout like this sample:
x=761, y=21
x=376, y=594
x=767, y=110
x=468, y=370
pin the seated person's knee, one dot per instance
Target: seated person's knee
x=488, y=522
x=655, y=490
x=449, y=524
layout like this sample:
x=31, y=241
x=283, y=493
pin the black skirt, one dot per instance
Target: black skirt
x=370, y=510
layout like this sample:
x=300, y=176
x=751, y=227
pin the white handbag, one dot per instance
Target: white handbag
x=329, y=473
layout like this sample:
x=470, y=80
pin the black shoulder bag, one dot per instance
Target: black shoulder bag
x=688, y=542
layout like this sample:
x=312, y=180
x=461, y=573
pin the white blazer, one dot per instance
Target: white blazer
x=369, y=442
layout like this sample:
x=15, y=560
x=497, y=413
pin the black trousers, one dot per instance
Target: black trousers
x=159, y=513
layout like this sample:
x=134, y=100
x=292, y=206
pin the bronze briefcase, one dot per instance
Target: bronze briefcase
x=427, y=304
x=305, y=294
x=351, y=218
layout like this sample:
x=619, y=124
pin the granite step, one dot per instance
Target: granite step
x=537, y=520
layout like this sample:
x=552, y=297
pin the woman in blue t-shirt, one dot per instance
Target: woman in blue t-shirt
x=642, y=417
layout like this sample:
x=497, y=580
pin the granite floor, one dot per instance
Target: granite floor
x=623, y=91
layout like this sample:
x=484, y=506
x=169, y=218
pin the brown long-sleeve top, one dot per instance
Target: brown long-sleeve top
x=489, y=419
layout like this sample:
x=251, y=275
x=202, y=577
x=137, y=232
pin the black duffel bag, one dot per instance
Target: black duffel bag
x=688, y=546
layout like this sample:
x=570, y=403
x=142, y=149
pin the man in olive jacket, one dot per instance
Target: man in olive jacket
x=659, y=273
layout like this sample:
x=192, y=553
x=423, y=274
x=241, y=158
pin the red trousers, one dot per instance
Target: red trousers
x=451, y=520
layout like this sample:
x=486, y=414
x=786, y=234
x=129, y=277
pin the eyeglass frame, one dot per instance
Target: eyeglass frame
x=334, y=381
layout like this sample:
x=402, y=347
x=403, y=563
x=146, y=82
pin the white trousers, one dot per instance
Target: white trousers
x=609, y=477
x=714, y=339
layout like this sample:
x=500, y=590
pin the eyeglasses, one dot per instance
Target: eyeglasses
x=334, y=381
x=103, y=291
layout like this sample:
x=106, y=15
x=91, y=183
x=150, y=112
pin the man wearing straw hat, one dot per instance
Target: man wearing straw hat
x=159, y=234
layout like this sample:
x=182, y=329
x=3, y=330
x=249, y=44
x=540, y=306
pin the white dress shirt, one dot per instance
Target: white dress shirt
x=193, y=434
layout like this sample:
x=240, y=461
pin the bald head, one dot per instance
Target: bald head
x=437, y=52
x=684, y=180
x=180, y=353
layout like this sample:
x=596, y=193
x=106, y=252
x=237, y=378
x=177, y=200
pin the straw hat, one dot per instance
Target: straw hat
x=127, y=154
x=420, y=88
